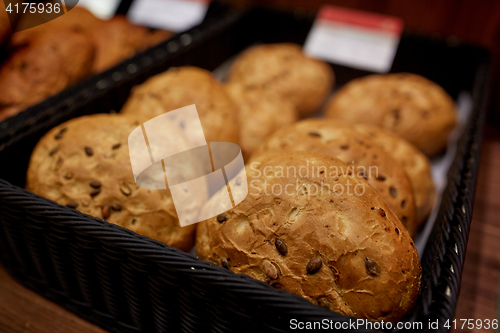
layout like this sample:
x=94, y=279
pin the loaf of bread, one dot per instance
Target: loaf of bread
x=260, y=115
x=183, y=86
x=284, y=70
x=298, y=231
x=416, y=164
x=85, y=164
x=366, y=159
x=42, y=67
x=409, y=105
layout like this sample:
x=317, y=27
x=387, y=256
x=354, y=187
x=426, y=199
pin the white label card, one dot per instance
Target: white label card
x=172, y=15
x=354, y=39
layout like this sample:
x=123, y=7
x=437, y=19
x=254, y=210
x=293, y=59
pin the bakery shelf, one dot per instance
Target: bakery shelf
x=125, y=282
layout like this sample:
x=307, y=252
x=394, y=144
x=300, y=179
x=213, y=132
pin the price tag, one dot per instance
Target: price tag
x=172, y=15
x=102, y=9
x=355, y=39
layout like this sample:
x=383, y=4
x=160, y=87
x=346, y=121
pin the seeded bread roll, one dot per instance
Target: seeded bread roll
x=348, y=253
x=406, y=104
x=260, y=115
x=183, y=86
x=284, y=70
x=417, y=167
x=85, y=164
x=337, y=139
x=41, y=68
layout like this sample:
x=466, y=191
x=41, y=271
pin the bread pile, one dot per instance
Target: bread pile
x=333, y=203
x=50, y=57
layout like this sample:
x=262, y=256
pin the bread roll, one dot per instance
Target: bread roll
x=337, y=139
x=284, y=70
x=416, y=164
x=44, y=66
x=179, y=87
x=85, y=164
x=260, y=115
x=114, y=40
x=406, y=104
x=117, y=39
x=300, y=232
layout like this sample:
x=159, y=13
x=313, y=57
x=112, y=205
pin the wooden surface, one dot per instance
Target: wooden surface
x=21, y=310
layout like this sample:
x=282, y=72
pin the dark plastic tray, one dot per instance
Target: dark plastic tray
x=129, y=283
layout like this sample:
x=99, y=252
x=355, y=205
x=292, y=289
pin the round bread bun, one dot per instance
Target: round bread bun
x=299, y=231
x=284, y=70
x=340, y=140
x=409, y=105
x=183, y=86
x=259, y=114
x=42, y=67
x=416, y=164
x=85, y=164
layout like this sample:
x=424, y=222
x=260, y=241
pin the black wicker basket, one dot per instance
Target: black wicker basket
x=125, y=282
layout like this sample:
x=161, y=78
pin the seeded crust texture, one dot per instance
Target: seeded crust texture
x=85, y=163
x=42, y=67
x=347, y=253
x=340, y=140
x=260, y=114
x=183, y=86
x=406, y=104
x=283, y=69
x=416, y=164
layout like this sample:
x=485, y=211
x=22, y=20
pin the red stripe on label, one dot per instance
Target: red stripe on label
x=362, y=19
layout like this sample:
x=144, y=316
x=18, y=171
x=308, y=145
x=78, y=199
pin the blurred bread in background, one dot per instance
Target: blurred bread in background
x=183, y=86
x=409, y=105
x=260, y=115
x=284, y=70
x=46, y=64
x=81, y=43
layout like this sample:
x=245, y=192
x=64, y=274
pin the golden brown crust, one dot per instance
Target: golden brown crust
x=183, y=86
x=71, y=156
x=409, y=105
x=340, y=140
x=416, y=164
x=117, y=39
x=114, y=40
x=77, y=20
x=283, y=69
x=260, y=115
x=41, y=68
x=348, y=253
